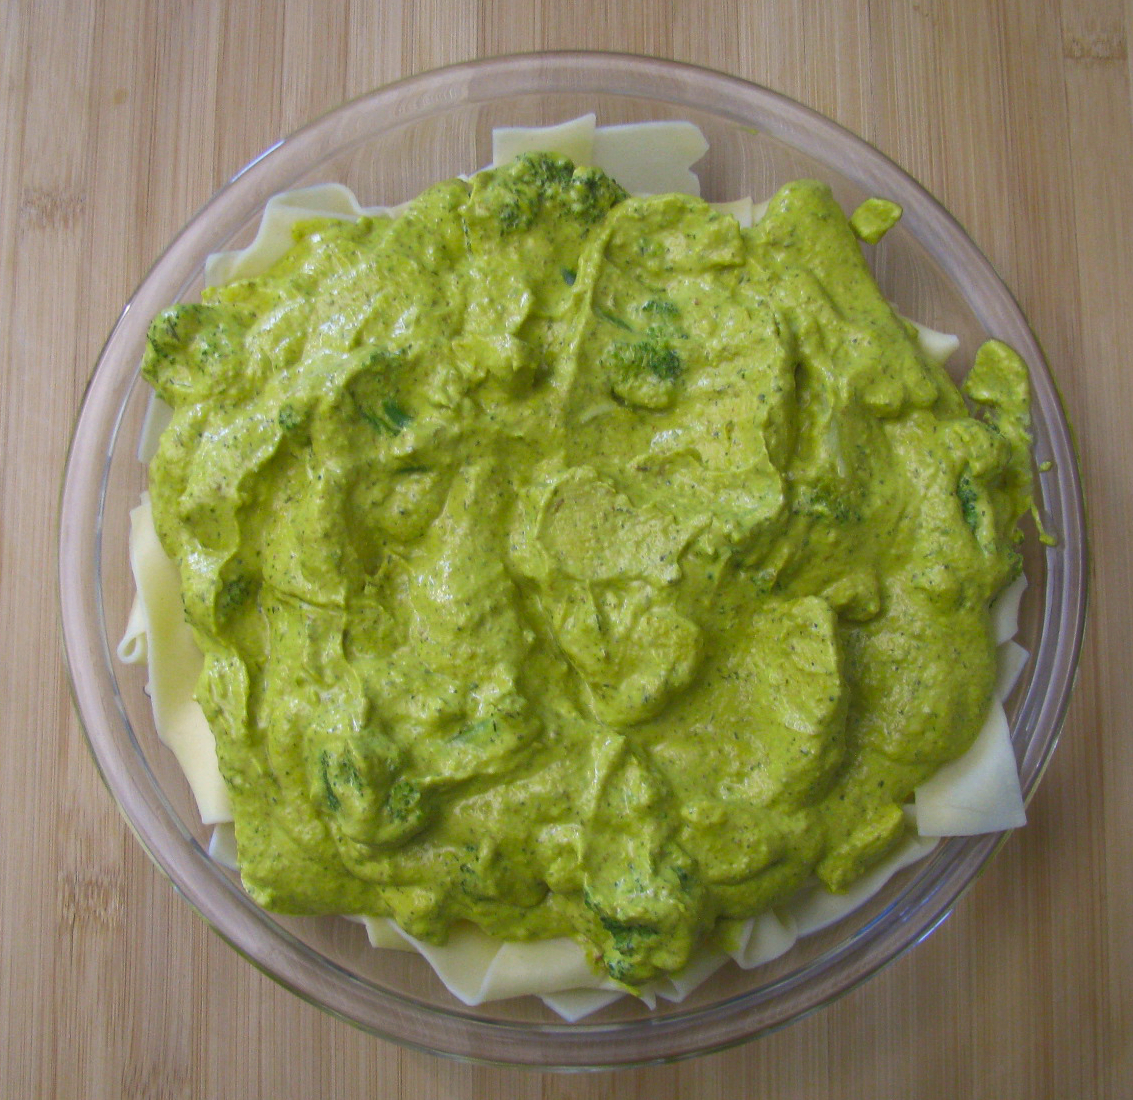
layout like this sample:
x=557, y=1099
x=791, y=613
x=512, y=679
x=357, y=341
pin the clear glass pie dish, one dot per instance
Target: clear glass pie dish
x=388, y=146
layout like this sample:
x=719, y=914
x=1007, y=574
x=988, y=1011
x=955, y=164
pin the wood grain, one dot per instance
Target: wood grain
x=119, y=118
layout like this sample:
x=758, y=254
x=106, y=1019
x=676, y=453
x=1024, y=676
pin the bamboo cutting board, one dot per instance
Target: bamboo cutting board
x=119, y=118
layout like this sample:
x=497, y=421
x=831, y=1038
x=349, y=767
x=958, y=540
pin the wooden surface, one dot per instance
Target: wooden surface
x=118, y=119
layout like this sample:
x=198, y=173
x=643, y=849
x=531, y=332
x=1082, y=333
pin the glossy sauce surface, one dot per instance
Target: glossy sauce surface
x=575, y=563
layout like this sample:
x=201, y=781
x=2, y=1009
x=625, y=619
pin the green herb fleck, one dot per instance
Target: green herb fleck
x=966, y=492
x=612, y=318
x=395, y=415
x=475, y=731
x=332, y=800
x=388, y=419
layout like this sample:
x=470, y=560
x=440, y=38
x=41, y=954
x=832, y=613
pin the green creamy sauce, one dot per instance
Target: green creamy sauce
x=572, y=563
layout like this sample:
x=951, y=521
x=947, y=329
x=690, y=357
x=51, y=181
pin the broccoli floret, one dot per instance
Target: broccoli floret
x=290, y=418
x=592, y=194
x=518, y=211
x=546, y=170
x=659, y=359
x=650, y=355
x=520, y=191
x=643, y=372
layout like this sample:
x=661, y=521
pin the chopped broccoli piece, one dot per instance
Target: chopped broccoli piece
x=233, y=594
x=370, y=392
x=643, y=372
x=612, y=318
x=404, y=800
x=290, y=418
x=331, y=798
x=649, y=355
x=389, y=419
x=395, y=415
x=338, y=770
x=630, y=942
x=546, y=170
x=520, y=191
x=966, y=492
x=592, y=194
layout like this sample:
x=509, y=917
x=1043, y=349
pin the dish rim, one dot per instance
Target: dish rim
x=721, y=1024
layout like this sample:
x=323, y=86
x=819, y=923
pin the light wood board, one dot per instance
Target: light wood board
x=118, y=119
